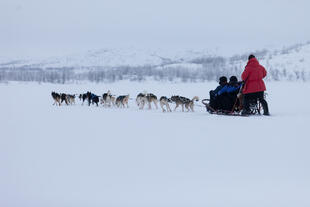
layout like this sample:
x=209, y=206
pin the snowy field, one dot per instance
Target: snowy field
x=80, y=156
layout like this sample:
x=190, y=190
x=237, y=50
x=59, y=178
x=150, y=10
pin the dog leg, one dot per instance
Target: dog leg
x=143, y=104
x=186, y=107
x=176, y=106
x=138, y=102
x=168, y=107
x=161, y=105
x=155, y=102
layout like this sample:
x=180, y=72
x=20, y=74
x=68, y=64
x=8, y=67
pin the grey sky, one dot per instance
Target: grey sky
x=58, y=27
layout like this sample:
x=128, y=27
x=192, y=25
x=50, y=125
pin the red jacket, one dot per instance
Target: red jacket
x=253, y=76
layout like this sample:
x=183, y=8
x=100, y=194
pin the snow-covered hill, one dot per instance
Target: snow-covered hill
x=290, y=63
x=109, y=58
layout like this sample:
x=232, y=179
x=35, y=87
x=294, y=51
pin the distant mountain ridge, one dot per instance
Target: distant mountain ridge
x=108, y=58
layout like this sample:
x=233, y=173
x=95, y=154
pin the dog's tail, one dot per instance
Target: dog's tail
x=195, y=98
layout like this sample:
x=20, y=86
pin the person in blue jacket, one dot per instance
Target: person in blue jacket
x=231, y=87
x=226, y=97
x=213, y=93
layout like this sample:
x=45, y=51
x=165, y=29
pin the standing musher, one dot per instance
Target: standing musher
x=254, y=85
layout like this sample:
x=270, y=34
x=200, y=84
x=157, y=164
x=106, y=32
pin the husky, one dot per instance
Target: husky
x=106, y=99
x=164, y=101
x=190, y=105
x=92, y=98
x=152, y=98
x=56, y=98
x=144, y=98
x=140, y=99
x=71, y=98
x=121, y=101
x=83, y=97
x=64, y=98
x=183, y=101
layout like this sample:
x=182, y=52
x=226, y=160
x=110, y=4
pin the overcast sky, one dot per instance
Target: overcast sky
x=58, y=27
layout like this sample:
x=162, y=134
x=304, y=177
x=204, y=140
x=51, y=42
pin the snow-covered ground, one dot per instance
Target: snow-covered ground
x=94, y=156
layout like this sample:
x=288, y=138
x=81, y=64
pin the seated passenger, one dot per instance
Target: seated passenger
x=213, y=93
x=232, y=87
x=226, y=98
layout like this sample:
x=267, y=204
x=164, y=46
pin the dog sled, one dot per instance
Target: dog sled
x=255, y=108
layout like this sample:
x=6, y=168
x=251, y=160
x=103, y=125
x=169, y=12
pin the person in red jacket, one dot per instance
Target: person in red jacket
x=254, y=85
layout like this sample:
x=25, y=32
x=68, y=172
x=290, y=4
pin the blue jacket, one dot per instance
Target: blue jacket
x=215, y=91
x=228, y=89
x=93, y=96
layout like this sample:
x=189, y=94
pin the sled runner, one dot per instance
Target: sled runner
x=255, y=109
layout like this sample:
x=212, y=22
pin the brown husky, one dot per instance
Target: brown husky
x=121, y=101
x=183, y=101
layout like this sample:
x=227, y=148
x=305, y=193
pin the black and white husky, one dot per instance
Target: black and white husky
x=56, y=98
x=83, y=97
x=64, y=98
x=164, y=101
x=143, y=98
x=107, y=99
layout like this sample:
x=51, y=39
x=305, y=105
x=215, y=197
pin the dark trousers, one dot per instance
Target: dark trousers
x=212, y=99
x=224, y=101
x=247, y=98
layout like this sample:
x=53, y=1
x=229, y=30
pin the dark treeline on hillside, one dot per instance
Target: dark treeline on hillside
x=66, y=75
x=209, y=72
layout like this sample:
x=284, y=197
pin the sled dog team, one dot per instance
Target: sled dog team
x=142, y=99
